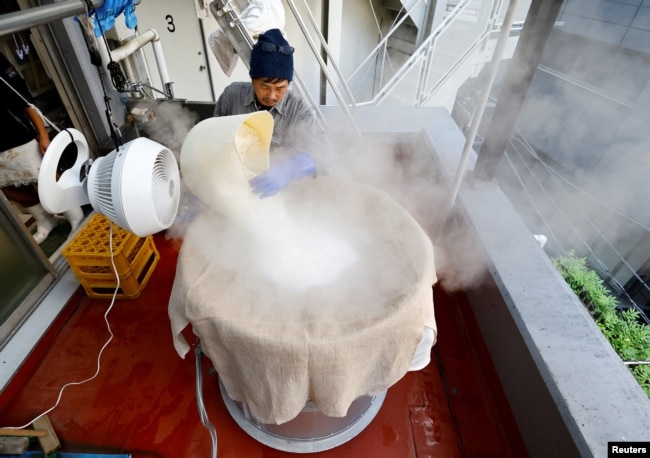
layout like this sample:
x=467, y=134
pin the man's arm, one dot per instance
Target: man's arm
x=41, y=132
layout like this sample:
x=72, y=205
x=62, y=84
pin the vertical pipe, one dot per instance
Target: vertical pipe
x=325, y=23
x=485, y=93
x=322, y=64
x=325, y=52
x=160, y=59
x=537, y=28
x=427, y=27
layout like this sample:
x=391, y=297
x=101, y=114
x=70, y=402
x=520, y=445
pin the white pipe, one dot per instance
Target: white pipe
x=160, y=60
x=133, y=45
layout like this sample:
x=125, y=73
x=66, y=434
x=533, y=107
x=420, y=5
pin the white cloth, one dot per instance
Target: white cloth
x=276, y=348
x=202, y=8
x=258, y=17
x=20, y=165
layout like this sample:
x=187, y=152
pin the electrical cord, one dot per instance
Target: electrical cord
x=199, y=370
x=101, y=351
x=117, y=77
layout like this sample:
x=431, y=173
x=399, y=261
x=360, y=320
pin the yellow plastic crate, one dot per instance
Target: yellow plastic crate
x=89, y=256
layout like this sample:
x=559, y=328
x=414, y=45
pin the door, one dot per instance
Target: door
x=25, y=273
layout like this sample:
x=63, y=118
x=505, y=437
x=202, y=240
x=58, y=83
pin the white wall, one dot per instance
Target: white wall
x=353, y=34
x=177, y=24
x=305, y=63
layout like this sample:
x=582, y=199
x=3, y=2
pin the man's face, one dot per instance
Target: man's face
x=269, y=92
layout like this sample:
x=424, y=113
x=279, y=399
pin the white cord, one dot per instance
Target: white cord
x=101, y=351
x=31, y=105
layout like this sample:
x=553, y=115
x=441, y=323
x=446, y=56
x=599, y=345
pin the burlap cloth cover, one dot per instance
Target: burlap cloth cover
x=276, y=348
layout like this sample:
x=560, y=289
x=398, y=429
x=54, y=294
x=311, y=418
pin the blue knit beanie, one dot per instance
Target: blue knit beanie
x=271, y=57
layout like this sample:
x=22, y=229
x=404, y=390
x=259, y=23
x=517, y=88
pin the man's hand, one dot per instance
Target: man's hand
x=277, y=178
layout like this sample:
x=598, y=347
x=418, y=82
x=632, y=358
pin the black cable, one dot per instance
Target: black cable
x=117, y=78
x=95, y=56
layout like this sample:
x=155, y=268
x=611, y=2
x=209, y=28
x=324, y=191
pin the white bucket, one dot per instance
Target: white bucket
x=220, y=155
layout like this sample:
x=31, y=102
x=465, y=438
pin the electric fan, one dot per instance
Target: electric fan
x=137, y=186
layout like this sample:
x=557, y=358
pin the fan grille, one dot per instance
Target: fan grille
x=103, y=189
x=164, y=185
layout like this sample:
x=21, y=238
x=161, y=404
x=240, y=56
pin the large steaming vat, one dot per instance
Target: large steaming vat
x=305, y=346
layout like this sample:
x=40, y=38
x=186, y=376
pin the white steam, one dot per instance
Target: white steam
x=303, y=253
x=299, y=257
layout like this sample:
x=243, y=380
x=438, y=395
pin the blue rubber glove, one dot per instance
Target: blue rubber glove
x=105, y=16
x=277, y=178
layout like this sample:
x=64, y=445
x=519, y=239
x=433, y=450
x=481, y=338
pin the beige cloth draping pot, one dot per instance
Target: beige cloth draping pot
x=276, y=348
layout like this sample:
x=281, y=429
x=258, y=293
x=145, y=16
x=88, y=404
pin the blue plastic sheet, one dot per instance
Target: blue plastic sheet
x=105, y=15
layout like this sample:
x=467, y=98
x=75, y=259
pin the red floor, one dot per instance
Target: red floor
x=143, y=401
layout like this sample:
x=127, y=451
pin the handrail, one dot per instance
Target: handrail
x=480, y=108
x=428, y=43
x=423, y=95
x=381, y=44
x=132, y=46
x=39, y=15
x=332, y=61
x=322, y=63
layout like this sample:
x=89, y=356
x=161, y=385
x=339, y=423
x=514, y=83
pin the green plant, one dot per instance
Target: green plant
x=627, y=335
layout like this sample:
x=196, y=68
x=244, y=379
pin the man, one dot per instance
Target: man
x=23, y=140
x=296, y=132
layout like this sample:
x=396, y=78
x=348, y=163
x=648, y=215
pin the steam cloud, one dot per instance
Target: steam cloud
x=400, y=166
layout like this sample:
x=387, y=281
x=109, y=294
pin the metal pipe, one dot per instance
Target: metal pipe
x=132, y=46
x=430, y=41
x=382, y=44
x=480, y=108
x=203, y=414
x=39, y=15
x=322, y=64
x=332, y=61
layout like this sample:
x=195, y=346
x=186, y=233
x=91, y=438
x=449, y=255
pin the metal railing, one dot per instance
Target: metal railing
x=386, y=75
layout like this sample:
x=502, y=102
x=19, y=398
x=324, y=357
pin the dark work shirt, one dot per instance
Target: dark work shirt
x=16, y=127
